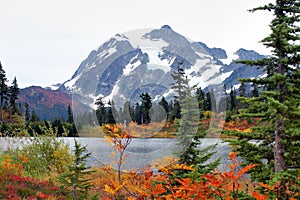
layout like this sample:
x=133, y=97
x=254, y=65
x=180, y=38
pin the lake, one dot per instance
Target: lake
x=141, y=152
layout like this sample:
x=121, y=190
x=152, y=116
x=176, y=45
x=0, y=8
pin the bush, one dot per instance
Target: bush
x=46, y=155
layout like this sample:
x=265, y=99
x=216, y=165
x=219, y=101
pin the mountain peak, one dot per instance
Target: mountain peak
x=167, y=27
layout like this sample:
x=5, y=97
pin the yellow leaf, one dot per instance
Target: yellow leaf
x=109, y=190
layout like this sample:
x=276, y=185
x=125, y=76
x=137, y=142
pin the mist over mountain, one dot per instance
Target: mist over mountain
x=142, y=61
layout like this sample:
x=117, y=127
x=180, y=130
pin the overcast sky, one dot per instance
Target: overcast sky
x=43, y=42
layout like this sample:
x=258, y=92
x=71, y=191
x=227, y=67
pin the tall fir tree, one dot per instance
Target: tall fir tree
x=165, y=105
x=110, y=113
x=75, y=183
x=189, y=133
x=200, y=94
x=13, y=93
x=3, y=88
x=278, y=106
x=70, y=115
x=137, y=114
x=72, y=128
x=125, y=115
x=179, y=86
x=145, y=108
x=100, y=111
x=233, y=103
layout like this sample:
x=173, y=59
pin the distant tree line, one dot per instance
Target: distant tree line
x=146, y=111
x=8, y=95
x=14, y=120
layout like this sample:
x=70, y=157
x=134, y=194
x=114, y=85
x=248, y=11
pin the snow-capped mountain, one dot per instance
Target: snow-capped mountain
x=142, y=61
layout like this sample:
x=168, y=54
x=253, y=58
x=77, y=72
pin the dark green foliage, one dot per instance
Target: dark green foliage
x=179, y=86
x=70, y=125
x=233, y=101
x=100, y=111
x=106, y=113
x=125, y=115
x=58, y=127
x=75, y=183
x=189, y=132
x=210, y=101
x=242, y=90
x=110, y=110
x=70, y=115
x=255, y=92
x=137, y=114
x=3, y=85
x=145, y=108
x=277, y=107
x=200, y=94
x=34, y=117
x=13, y=93
x=165, y=105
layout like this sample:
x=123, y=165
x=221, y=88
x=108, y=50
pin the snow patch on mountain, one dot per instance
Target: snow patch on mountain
x=231, y=57
x=105, y=54
x=138, y=39
x=71, y=83
x=155, y=62
x=131, y=66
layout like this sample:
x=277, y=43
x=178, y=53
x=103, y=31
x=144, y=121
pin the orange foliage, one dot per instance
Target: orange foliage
x=240, y=125
x=145, y=184
x=163, y=185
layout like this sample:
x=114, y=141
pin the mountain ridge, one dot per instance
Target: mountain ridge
x=143, y=60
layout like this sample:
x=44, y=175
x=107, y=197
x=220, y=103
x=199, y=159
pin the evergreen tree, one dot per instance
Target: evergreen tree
x=179, y=86
x=3, y=88
x=277, y=106
x=13, y=93
x=126, y=113
x=189, y=135
x=27, y=113
x=145, y=108
x=58, y=126
x=34, y=117
x=176, y=114
x=210, y=101
x=70, y=115
x=137, y=113
x=100, y=111
x=110, y=113
x=254, y=92
x=165, y=105
x=75, y=183
x=242, y=90
x=233, y=99
x=200, y=94
x=71, y=125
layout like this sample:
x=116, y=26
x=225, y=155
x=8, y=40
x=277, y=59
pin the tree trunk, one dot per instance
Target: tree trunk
x=279, y=130
x=278, y=150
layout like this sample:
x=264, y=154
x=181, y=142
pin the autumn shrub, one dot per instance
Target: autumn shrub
x=46, y=155
x=13, y=185
x=18, y=187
